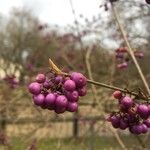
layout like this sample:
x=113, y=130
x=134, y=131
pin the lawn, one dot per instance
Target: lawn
x=96, y=143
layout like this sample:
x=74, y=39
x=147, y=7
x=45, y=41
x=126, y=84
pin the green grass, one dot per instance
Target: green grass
x=98, y=143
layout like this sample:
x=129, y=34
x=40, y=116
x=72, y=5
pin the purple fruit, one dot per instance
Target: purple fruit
x=123, y=124
x=69, y=85
x=115, y=121
x=61, y=101
x=120, y=55
x=144, y=128
x=79, y=79
x=136, y=129
x=130, y=119
x=72, y=96
x=34, y=88
x=47, y=84
x=122, y=65
x=40, y=78
x=50, y=99
x=82, y=91
x=126, y=102
x=143, y=110
x=72, y=107
x=58, y=79
x=38, y=99
x=139, y=54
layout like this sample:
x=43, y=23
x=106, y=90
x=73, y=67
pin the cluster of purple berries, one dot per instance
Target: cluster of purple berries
x=11, y=80
x=123, y=58
x=131, y=115
x=58, y=92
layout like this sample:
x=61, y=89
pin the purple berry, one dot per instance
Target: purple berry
x=143, y=110
x=144, y=128
x=40, y=78
x=38, y=99
x=115, y=121
x=47, y=84
x=69, y=85
x=61, y=101
x=126, y=102
x=136, y=129
x=72, y=107
x=130, y=118
x=79, y=79
x=123, y=124
x=120, y=55
x=58, y=79
x=72, y=96
x=34, y=88
x=122, y=65
x=82, y=91
x=50, y=99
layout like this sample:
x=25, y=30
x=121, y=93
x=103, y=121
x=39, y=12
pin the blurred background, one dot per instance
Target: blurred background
x=77, y=35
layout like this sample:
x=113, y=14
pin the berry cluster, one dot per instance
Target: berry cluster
x=58, y=92
x=11, y=80
x=123, y=58
x=131, y=115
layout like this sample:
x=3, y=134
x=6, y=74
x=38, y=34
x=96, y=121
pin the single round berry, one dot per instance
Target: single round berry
x=136, y=129
x=117, y=94
x=69, y=85
x=47, y=84
x=115, y=121
x=79, y=79
x=126, y=102
x=72, y=96
x=144, y=128
x=122, y=65
x=123, y=124
x=58, y=79
x=61, y=101
x=72, y=106
x=34, y=88
x=38, y=99
x=139, y=54
x=143, y=110
x=50, y=99
x=40, y=78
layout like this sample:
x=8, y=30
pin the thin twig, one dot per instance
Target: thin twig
x=88, y=66
x=57, y=70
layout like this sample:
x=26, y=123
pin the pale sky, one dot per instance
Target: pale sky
x=54, y=11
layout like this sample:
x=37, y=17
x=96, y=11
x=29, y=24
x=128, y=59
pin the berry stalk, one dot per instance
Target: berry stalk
x=137, y=95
